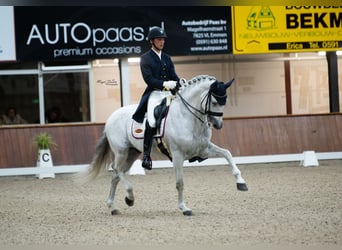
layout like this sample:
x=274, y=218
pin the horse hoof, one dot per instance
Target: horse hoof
x=187, y=213
x=242, y=186
x=115, y=212
x=129, y=202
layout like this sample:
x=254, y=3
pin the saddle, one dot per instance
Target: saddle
x=160, y=114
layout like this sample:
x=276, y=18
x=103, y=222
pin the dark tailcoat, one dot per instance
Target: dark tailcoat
x=155, y=72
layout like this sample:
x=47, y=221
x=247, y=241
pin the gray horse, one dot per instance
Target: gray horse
x=197, y=107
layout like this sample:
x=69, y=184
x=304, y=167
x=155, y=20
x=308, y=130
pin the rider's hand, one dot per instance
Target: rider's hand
x=169, y=84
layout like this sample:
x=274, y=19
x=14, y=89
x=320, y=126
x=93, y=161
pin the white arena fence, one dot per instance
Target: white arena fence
x=277, y=158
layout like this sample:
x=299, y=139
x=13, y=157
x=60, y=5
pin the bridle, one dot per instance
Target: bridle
x=207, y=99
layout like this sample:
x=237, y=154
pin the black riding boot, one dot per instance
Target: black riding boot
x=148, y=140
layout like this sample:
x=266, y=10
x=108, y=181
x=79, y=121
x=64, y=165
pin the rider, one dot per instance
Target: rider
x=160, y=76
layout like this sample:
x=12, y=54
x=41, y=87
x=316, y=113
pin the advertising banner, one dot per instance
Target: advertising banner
x=7, y=41
x=267, y=29
x=70, y=32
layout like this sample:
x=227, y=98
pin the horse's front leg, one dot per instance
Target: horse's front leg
x=178, y=162
x=217, y=151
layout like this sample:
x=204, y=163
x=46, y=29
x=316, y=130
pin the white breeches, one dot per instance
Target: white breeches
x=155, y=99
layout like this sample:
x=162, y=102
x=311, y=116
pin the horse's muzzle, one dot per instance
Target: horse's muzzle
x=217, y=123
x=218, y=126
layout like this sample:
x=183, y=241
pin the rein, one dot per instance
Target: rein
x=207, y=110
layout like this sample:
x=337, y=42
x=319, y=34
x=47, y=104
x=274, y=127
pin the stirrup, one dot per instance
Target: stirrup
x=158, y=134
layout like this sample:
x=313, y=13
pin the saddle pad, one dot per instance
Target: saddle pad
x=138, y=129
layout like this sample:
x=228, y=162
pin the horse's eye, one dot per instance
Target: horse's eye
x=214, y=103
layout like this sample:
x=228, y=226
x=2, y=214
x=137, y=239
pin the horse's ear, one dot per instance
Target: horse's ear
x=229, y=83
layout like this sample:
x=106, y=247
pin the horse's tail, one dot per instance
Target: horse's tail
x=103, y=156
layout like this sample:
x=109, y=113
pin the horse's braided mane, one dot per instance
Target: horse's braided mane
x=198, y=80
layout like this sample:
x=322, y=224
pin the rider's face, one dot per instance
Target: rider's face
x=158, y=43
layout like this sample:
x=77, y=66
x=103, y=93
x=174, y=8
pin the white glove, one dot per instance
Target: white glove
x=169, y=84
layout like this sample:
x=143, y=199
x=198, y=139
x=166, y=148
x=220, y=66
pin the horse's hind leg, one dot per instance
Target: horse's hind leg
x=133, y=154
x=114, y=182
x=123, y=163
x=129, y=199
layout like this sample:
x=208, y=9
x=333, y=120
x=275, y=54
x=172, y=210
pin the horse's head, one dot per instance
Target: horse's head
x=212, y=97
x=214, y=101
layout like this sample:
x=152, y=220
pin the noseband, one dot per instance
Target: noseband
x=207, y=99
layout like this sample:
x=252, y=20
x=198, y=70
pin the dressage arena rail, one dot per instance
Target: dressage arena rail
x=249, y=139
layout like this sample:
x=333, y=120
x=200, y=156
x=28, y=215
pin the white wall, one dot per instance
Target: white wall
x=258, y=90
x=106, y=82
x=310, y=86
